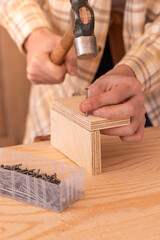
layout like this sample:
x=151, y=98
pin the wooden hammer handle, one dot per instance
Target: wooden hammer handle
x=60, y=51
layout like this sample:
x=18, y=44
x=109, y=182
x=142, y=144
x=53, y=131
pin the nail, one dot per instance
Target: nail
x=87, y=107
x=7, y=167
x=32, y=170
x=96, y=113
x=44, y=177
x=49, y=178
x=38, y=176
x=54, y=175
x=18, y=165
x=58, y=181
x=86, y=89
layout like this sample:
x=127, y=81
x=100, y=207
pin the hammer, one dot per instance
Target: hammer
x=80, y=31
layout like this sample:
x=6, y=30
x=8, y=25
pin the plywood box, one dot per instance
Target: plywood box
x=78, y=136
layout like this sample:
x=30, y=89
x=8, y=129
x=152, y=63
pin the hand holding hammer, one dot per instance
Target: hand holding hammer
x=42, y=41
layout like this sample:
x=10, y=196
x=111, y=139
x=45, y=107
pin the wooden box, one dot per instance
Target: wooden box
x=78, y=136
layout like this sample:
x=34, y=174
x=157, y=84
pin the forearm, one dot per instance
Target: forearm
x=122, y=70
x=34, y=36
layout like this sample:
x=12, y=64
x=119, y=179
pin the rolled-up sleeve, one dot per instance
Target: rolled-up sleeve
x=144, y=57
x=21, y=17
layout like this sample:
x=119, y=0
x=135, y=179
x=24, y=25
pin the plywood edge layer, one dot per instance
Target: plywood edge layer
x=90, y=126
x=96, y=152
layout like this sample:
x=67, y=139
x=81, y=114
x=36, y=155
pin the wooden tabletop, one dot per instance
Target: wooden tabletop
x=123, y=203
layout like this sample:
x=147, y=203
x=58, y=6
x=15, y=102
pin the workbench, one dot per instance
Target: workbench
x=122, y=203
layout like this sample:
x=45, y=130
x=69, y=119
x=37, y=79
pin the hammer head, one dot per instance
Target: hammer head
x=82, y=22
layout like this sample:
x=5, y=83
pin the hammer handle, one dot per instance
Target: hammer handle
x=60, y=51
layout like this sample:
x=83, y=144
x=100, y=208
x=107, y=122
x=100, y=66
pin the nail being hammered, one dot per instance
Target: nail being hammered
x=86, y=89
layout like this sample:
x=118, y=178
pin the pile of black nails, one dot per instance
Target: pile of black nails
x=33, y=173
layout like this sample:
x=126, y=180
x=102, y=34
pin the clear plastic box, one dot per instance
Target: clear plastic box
x=39, y=192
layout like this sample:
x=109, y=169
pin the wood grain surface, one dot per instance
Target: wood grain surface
x=121, y=203
x=60, y=51
x=77, y=143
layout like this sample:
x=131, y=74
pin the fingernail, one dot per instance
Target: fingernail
x=87, y=107
x=73, y=71
x=96, y=113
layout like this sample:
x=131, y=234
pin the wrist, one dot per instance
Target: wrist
x=122, y=70
x=34, y=37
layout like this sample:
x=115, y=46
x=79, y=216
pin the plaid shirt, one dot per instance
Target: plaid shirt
x=141, y=31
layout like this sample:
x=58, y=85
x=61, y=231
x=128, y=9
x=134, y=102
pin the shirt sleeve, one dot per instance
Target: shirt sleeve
x=144, y=57
x=21, y=17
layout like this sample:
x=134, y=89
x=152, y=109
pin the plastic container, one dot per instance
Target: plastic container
x=37, y=191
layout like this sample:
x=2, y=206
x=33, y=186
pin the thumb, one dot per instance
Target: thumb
x=71, y=62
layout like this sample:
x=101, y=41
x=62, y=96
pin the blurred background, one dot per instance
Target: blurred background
x=14, y=92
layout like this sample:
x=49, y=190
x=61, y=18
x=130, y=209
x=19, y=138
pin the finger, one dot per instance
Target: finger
x=108, y=82
x=38, y=73
x=44, y=69
x=55, y=72
x=129, y=130
x=71, y=62
x=33, y=79
x=120, y=93
x=124, y=110
x=138, y=136
x=39, y=79
x=98, y=87
x=34, y=82
x=38, y=82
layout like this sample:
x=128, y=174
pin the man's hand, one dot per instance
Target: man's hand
x=40, y=69
x=118, y=95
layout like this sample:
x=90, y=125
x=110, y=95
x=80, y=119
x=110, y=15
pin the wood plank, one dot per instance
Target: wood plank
x=69, y=107
x=122, y=203
x=96, y=152
x=80, y=145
